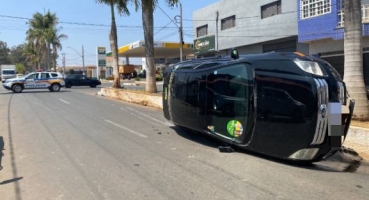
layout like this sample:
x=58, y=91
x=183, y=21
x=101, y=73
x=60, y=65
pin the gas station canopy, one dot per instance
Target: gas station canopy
x=162, y=49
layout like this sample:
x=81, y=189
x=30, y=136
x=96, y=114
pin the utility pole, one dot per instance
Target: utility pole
x=83, y=61
x=216, y=25
x=63, y=54
x=180, y=34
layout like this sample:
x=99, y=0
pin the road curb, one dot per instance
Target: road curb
x=133, y=97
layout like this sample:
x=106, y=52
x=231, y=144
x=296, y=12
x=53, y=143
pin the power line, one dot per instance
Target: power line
x=84, y=24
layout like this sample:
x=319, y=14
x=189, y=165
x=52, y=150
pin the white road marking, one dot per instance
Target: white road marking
x=141, y=118
x=64, y=101
x=127, y=129
x=164, y=123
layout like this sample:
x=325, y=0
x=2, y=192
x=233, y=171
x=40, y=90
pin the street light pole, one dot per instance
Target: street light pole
x=83, y=61
x=83, y=58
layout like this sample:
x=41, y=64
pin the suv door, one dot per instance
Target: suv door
x=85, y=81
x=30, y=81
x=229, y=101
x=43, y=81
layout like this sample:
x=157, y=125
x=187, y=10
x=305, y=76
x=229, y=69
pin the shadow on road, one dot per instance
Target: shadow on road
x=196, y=137
x=28, y=91
x=11, y=180
x=340, y=162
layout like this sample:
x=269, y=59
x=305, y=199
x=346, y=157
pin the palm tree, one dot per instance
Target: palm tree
x=32, y=56
x=56, y=45
x=353, y=50
x=148, y=7
x=113, y=38
x=43, y=33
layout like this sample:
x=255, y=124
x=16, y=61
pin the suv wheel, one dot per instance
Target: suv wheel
x=55, y=87
x=17, y=88
x=93, y=85
x=68, y=85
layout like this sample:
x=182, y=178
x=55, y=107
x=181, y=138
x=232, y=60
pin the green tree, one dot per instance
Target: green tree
x=353, y=50
x=113, y=38
x=4, y=53
x=16, y=54
x=19, y=68
x=148, y=7
x=43, y=37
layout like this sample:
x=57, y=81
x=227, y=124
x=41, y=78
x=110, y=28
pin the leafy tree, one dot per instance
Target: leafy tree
x=19, y=68
x=16, y=54
x=4, y=53
x=353, y=50
x=113, y=38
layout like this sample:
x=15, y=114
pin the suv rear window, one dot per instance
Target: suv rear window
x=54, y=75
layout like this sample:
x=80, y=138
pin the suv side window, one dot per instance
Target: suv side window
x=33, y=76
x=45, y=75
x=54, y=75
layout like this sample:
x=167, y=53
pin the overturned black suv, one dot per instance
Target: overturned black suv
x=285, y=105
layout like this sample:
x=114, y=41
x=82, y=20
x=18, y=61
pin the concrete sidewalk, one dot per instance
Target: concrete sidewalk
x=132, y=82
x=358, y=139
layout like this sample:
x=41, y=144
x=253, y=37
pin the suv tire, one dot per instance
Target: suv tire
x=55, y=87
x=68, y=85
x=92, y=85
x=17, y=88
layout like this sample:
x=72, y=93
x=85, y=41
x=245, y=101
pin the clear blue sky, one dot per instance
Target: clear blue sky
x=13, y=29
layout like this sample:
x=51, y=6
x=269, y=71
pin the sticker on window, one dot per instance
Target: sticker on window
x=234, y=128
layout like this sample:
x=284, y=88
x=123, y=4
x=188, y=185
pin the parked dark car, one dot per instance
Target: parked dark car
x=285, y=105
x=80, y=80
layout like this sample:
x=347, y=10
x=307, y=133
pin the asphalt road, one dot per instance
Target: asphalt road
x=74, y=144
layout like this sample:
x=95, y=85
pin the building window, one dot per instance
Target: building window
x=365, y=13
x=312, y=8
x=271, y=9
x=228, y=22
x=341, y=14
x=202, y=30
